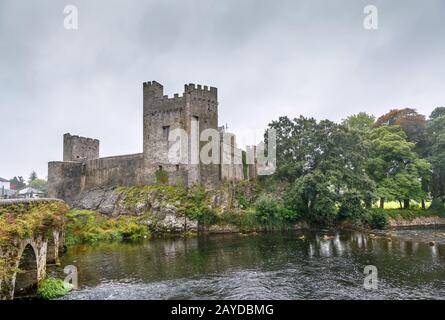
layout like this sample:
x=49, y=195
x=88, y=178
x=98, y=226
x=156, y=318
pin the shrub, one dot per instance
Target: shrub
x=270, y=211
x=267, y=210
x=377, y=218
x=53, y=288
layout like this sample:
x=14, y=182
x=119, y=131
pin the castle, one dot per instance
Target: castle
x=196, y=110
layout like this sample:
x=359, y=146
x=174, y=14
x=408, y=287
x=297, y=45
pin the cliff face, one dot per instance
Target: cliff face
x=165, y=208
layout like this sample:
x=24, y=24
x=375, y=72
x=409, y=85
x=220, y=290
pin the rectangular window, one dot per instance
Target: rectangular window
x=165, y=132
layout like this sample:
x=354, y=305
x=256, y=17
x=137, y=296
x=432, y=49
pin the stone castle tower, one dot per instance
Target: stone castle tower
x=194, y=111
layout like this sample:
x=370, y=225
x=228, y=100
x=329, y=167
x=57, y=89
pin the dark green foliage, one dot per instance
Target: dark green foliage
x=376, y=218
x=53, y=288
x=436, y=155
x=351, y=208
x=321, y=161
x=394, y=165
x=269, y=210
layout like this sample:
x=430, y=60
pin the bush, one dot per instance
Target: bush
x=270, y=211
x=53, y=288
x=267, y=210
x=377, y=218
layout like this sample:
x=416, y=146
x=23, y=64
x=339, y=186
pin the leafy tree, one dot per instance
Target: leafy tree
x=362, y=122
x=39, y=184
x=436, y=156
x=412, y=123
x=32, y=176
x=394, y=165
x=321, y=160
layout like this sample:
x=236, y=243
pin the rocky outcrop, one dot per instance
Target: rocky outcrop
x=156, y=208
x=164, y=208
x=419, y=221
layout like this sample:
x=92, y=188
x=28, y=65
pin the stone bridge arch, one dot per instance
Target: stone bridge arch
x=46, y=247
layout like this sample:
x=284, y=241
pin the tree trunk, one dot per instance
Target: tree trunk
x=368, y=204
x=423, y=204
x=382, y=203
x=406, y=204
x=400, y=204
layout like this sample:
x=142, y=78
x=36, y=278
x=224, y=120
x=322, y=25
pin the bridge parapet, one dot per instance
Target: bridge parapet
x=9, y=202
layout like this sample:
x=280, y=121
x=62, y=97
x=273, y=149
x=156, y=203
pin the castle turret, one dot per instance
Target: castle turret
x=153, y=89
x=79, y=149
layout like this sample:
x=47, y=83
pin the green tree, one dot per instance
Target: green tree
x=412, y=123
x=361, y=121
x=322, y=161
x=32, y=176
x=394, y=165
x=436, y=154
x=39, y=184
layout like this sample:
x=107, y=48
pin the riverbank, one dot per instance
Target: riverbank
x=136, y=213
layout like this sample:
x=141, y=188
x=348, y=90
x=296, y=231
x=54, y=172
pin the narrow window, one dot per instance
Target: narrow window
x=160, y=168
x=165, y=132
x=177, y=167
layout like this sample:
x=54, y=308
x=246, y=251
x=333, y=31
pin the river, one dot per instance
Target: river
x=322, y=265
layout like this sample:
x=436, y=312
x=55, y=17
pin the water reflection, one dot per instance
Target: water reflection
x=267, y=266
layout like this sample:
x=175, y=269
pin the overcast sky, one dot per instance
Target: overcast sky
x=267, y=58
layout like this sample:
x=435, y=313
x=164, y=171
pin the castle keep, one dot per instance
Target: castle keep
x=195, y=111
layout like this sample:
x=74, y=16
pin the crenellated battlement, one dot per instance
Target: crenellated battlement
x=201, y=92
x=153, y=89
x=152, y=84
x=80, y=138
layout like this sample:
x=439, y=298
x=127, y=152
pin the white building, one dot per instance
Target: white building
x=5, y=184
x=5, y=189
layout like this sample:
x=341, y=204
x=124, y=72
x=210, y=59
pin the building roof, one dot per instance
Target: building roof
x=6, y=192
x=3, y=180
x=29, y=190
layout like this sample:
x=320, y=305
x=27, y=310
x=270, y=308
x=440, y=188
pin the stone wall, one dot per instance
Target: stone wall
x=126, y=170
x=65, y=180
x=417, y=222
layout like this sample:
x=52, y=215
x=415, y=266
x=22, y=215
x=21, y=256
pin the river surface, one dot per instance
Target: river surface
x=320, y=265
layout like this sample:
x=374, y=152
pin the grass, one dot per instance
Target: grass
x=89, y=227
x=396, y=205
x=410, y=214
